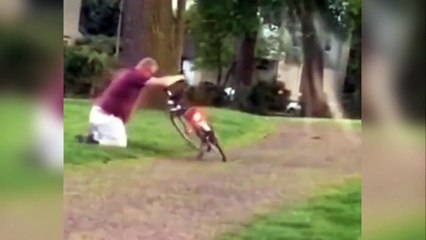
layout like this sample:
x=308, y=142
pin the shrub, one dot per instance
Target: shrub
x=265, y=97
x=99, y=43
x=23, y=60
x=85, y=70
x=207, y=94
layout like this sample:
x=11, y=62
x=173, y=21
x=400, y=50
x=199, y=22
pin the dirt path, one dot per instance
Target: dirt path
x=191, y=200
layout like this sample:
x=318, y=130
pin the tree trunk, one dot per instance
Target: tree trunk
x=152, y=30
x=163, y=33
x=313, y=95
x=131, y=33
x=219, y=61
x=229, y=73
x=119, y=29
x=245, y=66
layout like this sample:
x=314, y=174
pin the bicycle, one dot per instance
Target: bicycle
x=195, y=130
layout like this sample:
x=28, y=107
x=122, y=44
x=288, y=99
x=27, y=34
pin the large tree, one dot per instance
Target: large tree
x=152, y=29
x=227, y=36
x=338, y=20
x=313, y=63
x=243, y=18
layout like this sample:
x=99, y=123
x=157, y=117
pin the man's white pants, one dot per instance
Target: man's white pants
x=107, y=129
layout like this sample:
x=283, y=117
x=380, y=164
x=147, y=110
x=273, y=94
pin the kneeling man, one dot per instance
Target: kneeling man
x=112, y=110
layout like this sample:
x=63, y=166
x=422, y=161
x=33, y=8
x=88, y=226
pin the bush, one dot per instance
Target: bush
x=23, y=61
x=265, y=97
x=99, y=43
x=99, y=17
x=85, y=70
x=207, y=94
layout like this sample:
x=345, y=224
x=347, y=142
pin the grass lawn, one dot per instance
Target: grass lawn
x=333, y=215
x=16, y=128
x=151, y=134
x=395, y=227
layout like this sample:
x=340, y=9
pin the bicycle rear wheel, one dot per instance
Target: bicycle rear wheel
x=192, y=139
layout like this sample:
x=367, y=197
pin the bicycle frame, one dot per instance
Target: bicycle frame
x=192, y=119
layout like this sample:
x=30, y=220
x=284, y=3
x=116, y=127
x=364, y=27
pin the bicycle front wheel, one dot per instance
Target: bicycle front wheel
x=180, y=124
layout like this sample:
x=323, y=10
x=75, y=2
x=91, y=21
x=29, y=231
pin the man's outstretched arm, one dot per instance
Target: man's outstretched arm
x=165, y=81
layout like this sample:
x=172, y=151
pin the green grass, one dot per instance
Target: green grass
x=15, y=119
x=353, y=124
x=15, y=128
x=151, y=134
x=334, y=215
x=399, y=228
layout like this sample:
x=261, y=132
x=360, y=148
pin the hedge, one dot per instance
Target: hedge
x=86, y=68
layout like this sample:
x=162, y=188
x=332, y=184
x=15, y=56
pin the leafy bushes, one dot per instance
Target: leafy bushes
x=262, y=98
x=87, y=64
x=265, y=97
x=85, y=70
x=99, y=43
x=23, y=60
x=208, y=94
x=100, y=17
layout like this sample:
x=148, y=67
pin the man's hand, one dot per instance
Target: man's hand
x=173, y=79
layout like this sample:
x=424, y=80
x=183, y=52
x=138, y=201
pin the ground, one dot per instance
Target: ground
x=181, y=198
x=155, y=189
x=332, y=215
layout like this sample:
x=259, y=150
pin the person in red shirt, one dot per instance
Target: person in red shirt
x=113, y=109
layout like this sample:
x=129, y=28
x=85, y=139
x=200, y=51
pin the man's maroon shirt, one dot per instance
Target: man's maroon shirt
x=121, y=95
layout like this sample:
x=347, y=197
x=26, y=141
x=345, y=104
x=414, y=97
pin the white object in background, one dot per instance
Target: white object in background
x=188, y=72
x=293, y=106
x=230, y=92
x=50, y=138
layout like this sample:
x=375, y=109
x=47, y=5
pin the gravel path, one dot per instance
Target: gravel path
x=185, y=199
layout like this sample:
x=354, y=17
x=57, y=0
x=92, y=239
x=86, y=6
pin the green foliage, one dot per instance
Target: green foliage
x=245, y=15
x=353, y=75
x=217, y=25
x=266, y=97
x=208, y=94
x=272, y=42
x=100, y=43
x=339, y=15
x=100, y=17
x=23, y=59
x=209, y=24
x=84, y=70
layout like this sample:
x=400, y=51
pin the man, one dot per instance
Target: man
x=113, y=109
